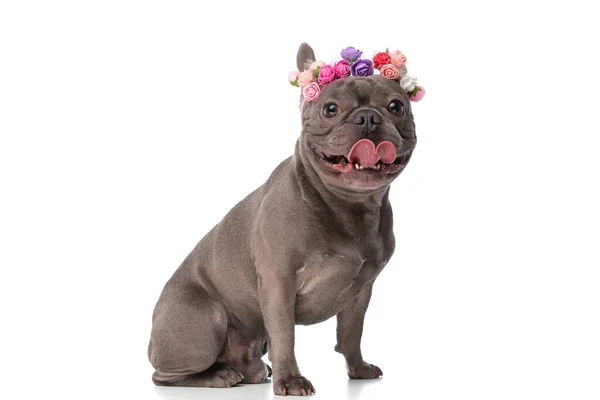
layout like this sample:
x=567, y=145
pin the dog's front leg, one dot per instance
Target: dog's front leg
x=277, y=296
x=349, y=332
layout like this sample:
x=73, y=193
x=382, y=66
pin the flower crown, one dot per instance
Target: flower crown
x=389, y=64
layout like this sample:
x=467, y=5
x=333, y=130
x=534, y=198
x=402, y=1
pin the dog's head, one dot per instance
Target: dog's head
x=359, y=134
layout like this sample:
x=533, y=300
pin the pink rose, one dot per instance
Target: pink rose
x=341, y=69
x=293, y=78
x=326, y=74
x=311, y=91
x=316, y=64
x=305, y=78
x=389, y=71
x=420, y=92
x=397, y=58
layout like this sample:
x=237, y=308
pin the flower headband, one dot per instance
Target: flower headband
x=389, y=64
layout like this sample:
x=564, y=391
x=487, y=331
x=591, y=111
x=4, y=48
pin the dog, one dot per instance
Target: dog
x=305, y=246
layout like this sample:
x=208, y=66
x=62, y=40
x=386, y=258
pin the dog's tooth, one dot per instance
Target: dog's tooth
x=356, y=166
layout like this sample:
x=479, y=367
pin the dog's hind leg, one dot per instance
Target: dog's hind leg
x=244, y=355
x=188, y=334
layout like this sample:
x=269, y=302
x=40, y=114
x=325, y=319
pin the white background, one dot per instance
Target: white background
x=129, y=128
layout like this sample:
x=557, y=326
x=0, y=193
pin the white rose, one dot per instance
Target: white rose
x=408, y=83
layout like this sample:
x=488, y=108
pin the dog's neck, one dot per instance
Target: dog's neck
x=364, y=208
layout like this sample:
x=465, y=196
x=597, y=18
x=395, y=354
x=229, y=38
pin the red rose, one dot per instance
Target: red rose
x=380, y=59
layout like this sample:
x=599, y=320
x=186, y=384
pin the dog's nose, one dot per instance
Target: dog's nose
x=368, y=120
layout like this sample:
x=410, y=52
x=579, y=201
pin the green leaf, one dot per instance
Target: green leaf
x=316, y=72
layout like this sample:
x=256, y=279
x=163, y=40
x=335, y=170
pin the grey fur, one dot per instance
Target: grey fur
x=305, y=246
x=305, y=56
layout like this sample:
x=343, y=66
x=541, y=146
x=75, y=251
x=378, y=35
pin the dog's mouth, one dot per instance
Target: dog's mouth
x=366, y=158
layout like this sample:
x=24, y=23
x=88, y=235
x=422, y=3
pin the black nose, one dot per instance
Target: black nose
x=367, y=119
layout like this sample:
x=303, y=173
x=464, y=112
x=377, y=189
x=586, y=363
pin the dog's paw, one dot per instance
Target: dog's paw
x=364, y=371
x=227, y=377
x=293, y=386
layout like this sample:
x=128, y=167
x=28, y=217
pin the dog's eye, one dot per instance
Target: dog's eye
x=396, y=107
x=330, y=110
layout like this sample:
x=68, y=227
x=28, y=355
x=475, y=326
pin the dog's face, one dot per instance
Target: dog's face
x=359, y=134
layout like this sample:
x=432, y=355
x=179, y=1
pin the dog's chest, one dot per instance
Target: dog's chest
x=330, y=279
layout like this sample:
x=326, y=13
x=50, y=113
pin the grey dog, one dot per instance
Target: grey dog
x=305, y=246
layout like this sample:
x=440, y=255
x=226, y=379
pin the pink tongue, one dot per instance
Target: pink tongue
x=364, y=153
x=386, y=152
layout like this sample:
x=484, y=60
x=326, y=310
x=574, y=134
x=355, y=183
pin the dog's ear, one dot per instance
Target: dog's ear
x=305, y=56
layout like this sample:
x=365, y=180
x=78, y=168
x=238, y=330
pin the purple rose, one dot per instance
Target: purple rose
x=362, y=68
x=351, y=54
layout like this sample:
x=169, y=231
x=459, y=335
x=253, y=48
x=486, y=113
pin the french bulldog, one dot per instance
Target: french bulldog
x=305, y=246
